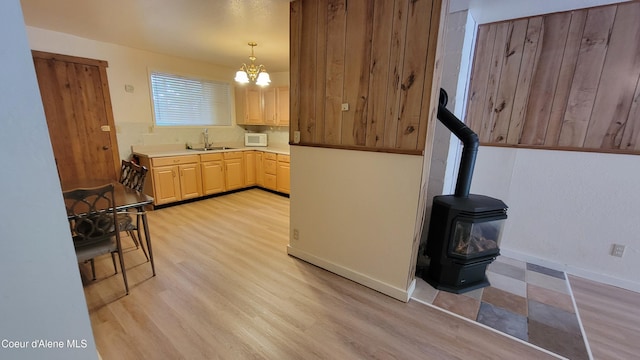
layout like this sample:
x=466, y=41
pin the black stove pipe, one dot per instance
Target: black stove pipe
x=470, y=145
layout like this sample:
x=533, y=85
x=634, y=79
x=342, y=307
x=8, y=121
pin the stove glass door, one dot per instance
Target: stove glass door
x=473, y=239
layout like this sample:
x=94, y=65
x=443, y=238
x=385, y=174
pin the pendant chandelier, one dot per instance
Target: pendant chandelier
x=251, y=72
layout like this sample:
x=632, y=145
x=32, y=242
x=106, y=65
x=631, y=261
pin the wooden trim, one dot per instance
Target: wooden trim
x=563, y=148
x=69, y=58
x=115, y=152
x=361, y=148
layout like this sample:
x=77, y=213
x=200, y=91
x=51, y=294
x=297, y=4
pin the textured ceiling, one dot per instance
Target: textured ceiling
x=215, y=31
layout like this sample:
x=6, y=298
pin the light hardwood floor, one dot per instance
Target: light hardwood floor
x=610, y=317
x=226, y=289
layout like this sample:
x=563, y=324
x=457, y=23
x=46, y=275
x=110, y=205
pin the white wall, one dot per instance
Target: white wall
x=133, y=111
x=566, y=209
x=355, y=212
x=41, y=296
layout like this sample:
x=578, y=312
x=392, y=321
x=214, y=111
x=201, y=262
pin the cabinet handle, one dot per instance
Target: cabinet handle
x=173, y=172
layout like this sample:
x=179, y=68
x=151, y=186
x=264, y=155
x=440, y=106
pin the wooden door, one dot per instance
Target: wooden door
x=234, y=174
x=77, y=105
x=249, y=168
x=166, y=184
x=269, y=106
x=212, y=177
x=190, y=181
x=253, y=98
x=282, y=100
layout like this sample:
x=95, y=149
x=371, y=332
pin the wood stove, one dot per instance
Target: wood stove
x=464, y=229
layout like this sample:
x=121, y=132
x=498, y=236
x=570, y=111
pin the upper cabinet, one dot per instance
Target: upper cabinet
x=262, y=106
x=365, y=74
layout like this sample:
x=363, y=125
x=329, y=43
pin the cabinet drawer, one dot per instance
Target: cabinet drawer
x=210, y=157
x=270, y=156
x=270, y=167
x=233, y=155
x=283, y=158
x=174, y=160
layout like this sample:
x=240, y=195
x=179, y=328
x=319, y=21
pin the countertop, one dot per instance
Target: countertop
x=153, y=151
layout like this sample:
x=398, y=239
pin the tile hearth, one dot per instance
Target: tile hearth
x=527, y=301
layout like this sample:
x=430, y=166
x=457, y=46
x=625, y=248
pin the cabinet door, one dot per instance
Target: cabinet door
x=254, y=106
x=282, y=112
x=259, y=169
x=212, y=177
x=190, y=181
x=283, y=181
x=166, y=184
x=270, y=106
x=270, y=181
x=249, y=168
x=234, y=174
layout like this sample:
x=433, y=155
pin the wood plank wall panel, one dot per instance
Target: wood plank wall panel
x=493, y=82
x=480, y=76
x=527, y=64
x=510, y=71
x=413, y=74
x=379, y=67
x=586, y=78
x=565, y=77
x=571, y=82
x=356, y=71
x=615, y=91
x=376, y=55
x=335, y=44
x=545, y=78
x=394, y=72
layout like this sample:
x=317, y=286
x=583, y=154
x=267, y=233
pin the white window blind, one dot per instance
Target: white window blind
x=182, y=101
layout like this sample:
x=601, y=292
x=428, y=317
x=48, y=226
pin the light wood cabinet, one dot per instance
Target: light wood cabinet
x=166, y=185
x=212, y=168
x=270, y=170
x=234, y=170
x=190, y=181
x=259, y=168
x=283, y=177
x=253, y=110
x=249, y=168
x=268, y=106
x=175, y=178
x=282, y=105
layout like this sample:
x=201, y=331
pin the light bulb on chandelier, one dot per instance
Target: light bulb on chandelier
x=253, y=72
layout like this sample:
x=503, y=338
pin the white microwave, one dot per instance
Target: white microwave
x=255, y=139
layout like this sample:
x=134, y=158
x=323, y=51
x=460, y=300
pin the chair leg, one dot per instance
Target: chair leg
x=138, y=240
x=113, y=259
x=124, y=271
x=133, y=237
x=93, y=269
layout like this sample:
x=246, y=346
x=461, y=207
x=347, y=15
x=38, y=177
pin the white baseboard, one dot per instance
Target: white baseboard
x=390, y=290
x=572, y=270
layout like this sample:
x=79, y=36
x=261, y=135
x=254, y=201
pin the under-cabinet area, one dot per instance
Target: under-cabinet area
x=177, y=177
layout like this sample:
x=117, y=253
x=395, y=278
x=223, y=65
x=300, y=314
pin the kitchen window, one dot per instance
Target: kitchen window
x=187, y=101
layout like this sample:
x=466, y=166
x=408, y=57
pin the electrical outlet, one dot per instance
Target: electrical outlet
x=296, y=137
x=296, y=234
x=617, y=250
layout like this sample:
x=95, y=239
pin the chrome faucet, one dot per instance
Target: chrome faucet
x=206, y=138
